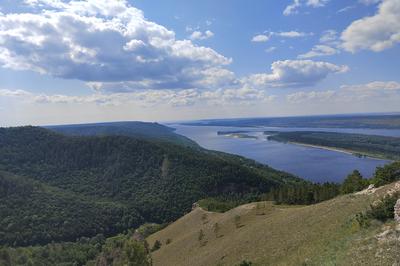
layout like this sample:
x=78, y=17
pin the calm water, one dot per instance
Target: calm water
x=314, y=164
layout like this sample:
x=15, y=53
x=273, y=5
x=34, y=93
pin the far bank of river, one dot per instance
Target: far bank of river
x=318, y=164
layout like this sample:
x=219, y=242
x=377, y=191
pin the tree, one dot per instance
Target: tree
x=156, y=246
x=353, y=182
x=134, y=254
x=387, y=174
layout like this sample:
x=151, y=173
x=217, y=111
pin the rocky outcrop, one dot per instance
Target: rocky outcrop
x=397, y=211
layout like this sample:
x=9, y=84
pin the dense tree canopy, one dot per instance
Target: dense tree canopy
x=70, y=186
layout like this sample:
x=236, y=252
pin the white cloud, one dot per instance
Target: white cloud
x=296, y=73
x=319, y=50
x=270, y=49
x=301, y=96
x=378, y=32
x=198, y=35
x=13, y=93
x=284, y=34
x=293, y=7
x=328, y=46
x=260, y=38
x=329, y=37
x=375, y=91
x=150, y=98
x=345, y=9
x=101, y=41
x=291, y=34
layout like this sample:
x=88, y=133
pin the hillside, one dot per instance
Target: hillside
x=142, y=130
x=371, y=145
x=119, y=181
x=266, y=234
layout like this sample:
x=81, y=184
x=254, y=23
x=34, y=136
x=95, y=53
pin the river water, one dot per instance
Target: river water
x=314, y=164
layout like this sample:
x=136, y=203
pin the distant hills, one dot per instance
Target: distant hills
x=371, y=121
x=56, y=187
x=142, y=130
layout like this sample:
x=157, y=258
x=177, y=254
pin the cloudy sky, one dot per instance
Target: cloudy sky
x=74, y=61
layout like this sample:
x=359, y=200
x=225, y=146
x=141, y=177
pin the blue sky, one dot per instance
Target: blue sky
x=87, y=61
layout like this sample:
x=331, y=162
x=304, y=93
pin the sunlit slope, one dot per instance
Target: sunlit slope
x=265, y=234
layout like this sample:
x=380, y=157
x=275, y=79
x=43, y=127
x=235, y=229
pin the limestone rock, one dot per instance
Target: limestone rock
x=397, y=211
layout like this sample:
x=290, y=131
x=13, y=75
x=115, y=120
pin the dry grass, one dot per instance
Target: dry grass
x=266, y=234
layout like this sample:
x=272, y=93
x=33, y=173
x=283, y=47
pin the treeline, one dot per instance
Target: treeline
x=66, y=187
x=122, y=249
x=381, y=146
x=309, y=193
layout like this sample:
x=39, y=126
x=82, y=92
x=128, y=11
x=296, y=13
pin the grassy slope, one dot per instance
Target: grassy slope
x=321, y=234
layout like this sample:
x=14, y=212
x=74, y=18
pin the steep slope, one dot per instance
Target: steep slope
x=156, y=181
x=267, y=234
x=142, y=130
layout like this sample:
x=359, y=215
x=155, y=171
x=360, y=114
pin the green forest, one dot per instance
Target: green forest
x=66, y=187
x=370, y=145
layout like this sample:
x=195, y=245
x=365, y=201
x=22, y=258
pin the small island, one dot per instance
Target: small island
x=236, y=134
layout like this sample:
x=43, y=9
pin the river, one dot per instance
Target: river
x=314, y=164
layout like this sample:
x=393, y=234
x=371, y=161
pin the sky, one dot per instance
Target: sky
x=75, y=61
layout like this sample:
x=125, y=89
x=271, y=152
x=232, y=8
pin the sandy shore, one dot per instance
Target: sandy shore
x=350, y=152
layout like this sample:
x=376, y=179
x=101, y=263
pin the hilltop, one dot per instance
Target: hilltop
x=265, y=234
x=136, y=129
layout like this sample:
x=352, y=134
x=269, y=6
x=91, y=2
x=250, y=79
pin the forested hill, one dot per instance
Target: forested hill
x=143, y=130
x=105, y=184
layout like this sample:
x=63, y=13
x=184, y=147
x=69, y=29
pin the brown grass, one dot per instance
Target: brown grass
x=321, y=234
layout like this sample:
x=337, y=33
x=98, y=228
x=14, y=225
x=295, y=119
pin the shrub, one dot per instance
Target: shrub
x=384, y=209
x=156, y=246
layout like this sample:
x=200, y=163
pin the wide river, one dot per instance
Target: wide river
x=314, y=164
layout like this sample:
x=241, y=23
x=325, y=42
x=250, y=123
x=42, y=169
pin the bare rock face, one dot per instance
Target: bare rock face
x=397, y=211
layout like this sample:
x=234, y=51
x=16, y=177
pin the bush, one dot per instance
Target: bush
x=384, y=210
x=156, y=246
x=246, y=263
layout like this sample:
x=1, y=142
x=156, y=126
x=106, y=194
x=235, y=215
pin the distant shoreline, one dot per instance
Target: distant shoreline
x=341, y=150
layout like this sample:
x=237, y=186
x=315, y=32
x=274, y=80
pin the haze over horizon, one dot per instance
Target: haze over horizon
x=72, y=61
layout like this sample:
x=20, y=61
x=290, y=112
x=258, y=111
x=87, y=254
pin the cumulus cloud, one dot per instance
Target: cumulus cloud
x=296, y=73
x=328, y=44
x=296, y=4
x=260, y=38
x=101, y=41
x=319, y=50
x=376, y=90
x=198, y=35
x=378, y=32
x=373, y=89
